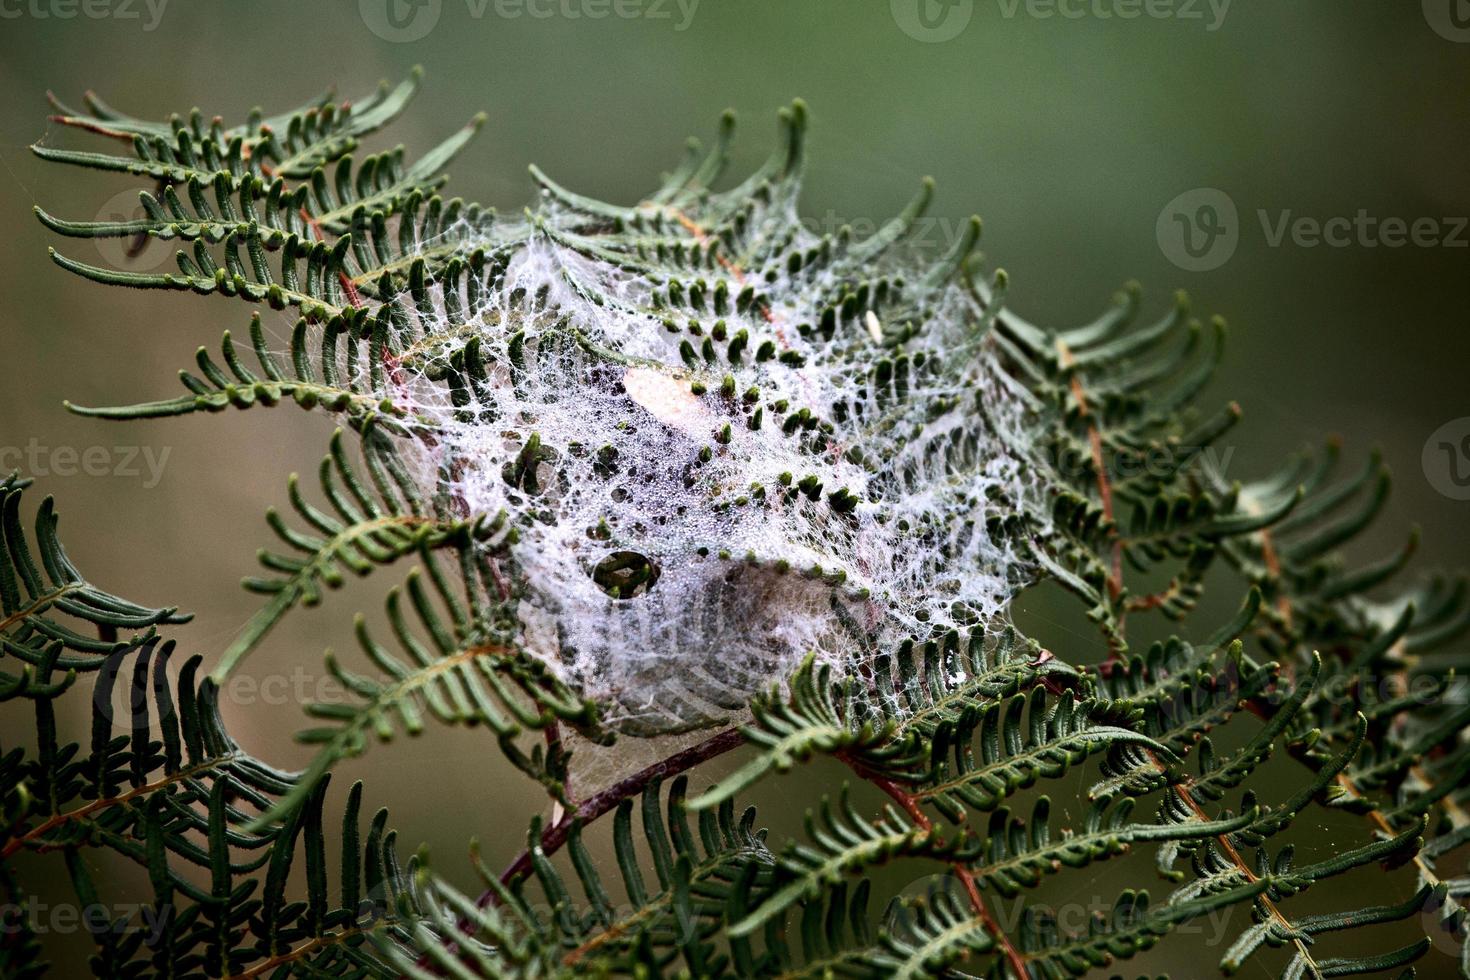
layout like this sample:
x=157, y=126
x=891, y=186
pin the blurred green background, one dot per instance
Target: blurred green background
x=1068, y=135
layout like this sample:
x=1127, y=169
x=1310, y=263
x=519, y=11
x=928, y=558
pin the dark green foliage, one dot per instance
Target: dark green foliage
x=1327, y=667
x=160, y=783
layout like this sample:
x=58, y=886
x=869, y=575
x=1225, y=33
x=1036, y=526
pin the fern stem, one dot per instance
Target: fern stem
x=348, y=286
x=1115, y=591
x=1456, y=814
x=1273, y=565
x=1105, y=495
x=602, y=803
x=295, y=954
x=921, y=820
x=58, y=819
x=605, y=801
x=39, y=605
x=1224, y=839
x=1099, y=463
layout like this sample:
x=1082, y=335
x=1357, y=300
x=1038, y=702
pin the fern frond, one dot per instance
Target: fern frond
x=44, y=601
x=457, y=672
x=1021, y=739
x=924, y=454
x=332, y=385
x=366, y=527
x=1133, y=925
x=842, y=843
x=292, y=144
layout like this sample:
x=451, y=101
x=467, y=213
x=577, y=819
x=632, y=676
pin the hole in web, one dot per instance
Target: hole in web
x=625, y=574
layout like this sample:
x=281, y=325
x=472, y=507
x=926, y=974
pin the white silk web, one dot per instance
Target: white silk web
x=646, y=462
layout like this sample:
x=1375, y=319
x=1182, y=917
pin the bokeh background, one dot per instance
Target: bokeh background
x=1069, y=135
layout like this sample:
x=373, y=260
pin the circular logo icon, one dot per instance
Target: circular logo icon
x=400, y=21
x=932, y=21
x=132, y=253
x=1449, y=18
x=1442, y=920
x=907, y=914
x=1199, y=230
x=1446, y=459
